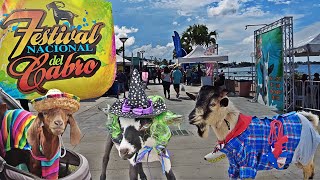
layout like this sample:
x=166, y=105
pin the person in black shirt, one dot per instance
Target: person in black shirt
x=121, y=78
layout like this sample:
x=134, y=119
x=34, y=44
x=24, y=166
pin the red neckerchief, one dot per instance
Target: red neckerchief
x=241, y=126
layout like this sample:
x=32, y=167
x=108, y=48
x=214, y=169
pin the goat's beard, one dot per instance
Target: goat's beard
x=203, y=130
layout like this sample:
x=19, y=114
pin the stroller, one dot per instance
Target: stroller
x=72, y=160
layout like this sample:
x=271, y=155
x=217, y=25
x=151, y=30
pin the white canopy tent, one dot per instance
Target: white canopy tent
x=200, y=55
x=120, y=60
x=309, y=47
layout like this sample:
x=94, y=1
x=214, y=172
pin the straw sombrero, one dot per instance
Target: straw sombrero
x=137, y=105
x=56, y=99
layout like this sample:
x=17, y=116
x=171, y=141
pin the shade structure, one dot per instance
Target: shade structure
x=200, y=55
x=120, y=60
x=308, y=47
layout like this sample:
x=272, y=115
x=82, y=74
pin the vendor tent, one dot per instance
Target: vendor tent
x=120, y=60
x=309, y=47
x=200, y=55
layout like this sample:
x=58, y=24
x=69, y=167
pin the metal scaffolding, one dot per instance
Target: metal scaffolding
x=286, y=25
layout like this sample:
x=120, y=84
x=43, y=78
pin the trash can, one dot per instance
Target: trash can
x=230, y=85
x=245, y=87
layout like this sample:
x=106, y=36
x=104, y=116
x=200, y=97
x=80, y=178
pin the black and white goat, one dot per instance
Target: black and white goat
x=135, y=139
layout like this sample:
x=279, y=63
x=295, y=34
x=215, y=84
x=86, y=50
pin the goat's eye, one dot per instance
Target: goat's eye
x=44, y=113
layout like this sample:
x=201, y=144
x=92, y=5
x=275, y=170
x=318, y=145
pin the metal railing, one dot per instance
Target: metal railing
x=307, y=94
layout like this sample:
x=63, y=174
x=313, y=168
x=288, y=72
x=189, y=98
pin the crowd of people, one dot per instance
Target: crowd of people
x=305, y=77
x=168, y=76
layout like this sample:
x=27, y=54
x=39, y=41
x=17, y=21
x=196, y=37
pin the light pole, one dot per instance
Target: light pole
x=142, y=53
x=123, y=40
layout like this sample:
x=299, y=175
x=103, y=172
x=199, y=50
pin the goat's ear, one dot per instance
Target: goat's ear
x=33, y=134
x=3, y=109
x=224, y=102
x=75, y=133
x=193, y=97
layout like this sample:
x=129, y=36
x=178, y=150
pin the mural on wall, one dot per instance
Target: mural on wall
x=269, y=67
x=68, y=45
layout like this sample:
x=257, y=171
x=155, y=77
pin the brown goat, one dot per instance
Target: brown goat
x=44, y=131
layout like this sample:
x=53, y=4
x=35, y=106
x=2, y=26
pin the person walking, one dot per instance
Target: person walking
x=222, y=77
x=122, y=79
x=176, y=75
x=188, y=76
x=159, y=75
x=166, y=81
x=145, y=77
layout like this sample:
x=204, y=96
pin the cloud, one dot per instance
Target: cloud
x=158, y=51
x=124, y=32
x=175, y=23
x=224, y=7
x=254, y=11
x=280, y=1
x=183, y=7
x=248, y=40
x=133, y=1
x=189, y=19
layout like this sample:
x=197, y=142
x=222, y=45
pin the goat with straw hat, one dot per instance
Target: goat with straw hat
x=56, y=99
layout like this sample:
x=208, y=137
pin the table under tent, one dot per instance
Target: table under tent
x=201, y=55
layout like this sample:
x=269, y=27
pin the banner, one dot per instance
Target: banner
x=68, y=45
x=269, y=67
x=180, y=52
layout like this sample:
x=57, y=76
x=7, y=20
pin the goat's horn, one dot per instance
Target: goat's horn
x=59, y=2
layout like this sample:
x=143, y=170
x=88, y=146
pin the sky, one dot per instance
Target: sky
x=149, y=24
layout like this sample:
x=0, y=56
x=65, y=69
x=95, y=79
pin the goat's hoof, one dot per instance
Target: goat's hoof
x=103, y=177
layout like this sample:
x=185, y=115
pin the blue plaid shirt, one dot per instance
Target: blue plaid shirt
x=247, y=153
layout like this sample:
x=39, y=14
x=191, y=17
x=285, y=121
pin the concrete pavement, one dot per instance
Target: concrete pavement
x=186, y=151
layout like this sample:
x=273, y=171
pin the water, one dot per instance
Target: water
x=244, y=72
x=315, y=68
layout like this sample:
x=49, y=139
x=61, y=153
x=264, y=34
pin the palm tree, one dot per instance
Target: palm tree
x=198, y=34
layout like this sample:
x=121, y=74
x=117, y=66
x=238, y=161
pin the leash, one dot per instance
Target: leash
x=62, y=147
x=59, y=150
x=141, y=155
x=277, y=140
